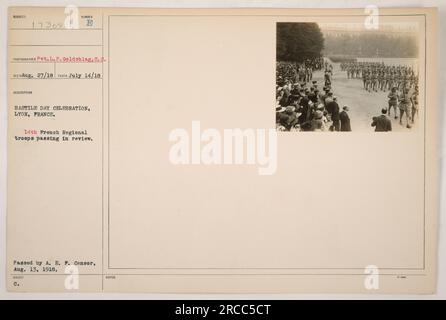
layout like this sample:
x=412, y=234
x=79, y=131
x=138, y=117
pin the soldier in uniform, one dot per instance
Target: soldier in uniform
x=393, y=101
x=414, y=101
x=405, y=106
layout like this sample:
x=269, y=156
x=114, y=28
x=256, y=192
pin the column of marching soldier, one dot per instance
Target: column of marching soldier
x=400, y=80
x=302, y=106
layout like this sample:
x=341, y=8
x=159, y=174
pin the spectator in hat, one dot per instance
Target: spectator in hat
x=345, y=119
x=286, y=117
x=280, y=115
x=335, y=114
x=382, y=123
x=312, y=95
x=318, y=123
x=328, y=99
x=305, y=110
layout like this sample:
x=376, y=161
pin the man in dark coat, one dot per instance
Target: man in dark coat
x=382, y=123
x=304, y=110
x=334, y=107
x=345, y=119
x=312, y=95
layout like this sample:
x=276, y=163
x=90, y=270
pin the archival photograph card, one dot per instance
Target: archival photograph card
x=222, y=150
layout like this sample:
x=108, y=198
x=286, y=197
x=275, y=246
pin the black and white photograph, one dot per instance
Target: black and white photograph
x=139, y=159
x=343, y=77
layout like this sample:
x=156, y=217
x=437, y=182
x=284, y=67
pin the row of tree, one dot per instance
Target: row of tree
x=371, y=45
x=298, y=42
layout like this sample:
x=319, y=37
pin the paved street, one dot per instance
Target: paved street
x=363, y=105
